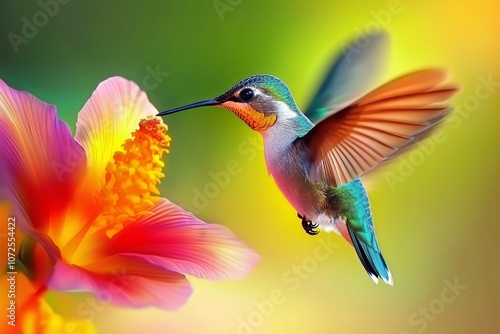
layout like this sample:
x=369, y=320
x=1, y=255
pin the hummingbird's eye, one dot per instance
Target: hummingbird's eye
x=246, y=94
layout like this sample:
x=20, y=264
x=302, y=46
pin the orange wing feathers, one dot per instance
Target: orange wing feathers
x=357, y=138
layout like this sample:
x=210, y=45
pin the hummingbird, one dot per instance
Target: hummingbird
x=316, y=157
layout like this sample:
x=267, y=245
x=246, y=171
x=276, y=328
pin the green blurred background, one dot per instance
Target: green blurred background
x=434, y=210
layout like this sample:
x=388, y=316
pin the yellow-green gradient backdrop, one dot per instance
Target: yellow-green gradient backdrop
x=434, y=210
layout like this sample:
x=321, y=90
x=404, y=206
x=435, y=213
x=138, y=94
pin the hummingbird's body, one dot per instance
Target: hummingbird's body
x=317, y=165
x=288, y=166
x=325, y=206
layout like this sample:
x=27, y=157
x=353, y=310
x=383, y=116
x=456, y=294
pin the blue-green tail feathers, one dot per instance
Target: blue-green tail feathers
x=356, y=208
x=372, y=259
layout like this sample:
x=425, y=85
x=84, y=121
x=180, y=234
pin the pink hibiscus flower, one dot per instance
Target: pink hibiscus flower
x=90, y=204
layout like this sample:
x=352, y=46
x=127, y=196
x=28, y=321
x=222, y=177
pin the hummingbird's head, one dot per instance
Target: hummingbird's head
x=260, y=101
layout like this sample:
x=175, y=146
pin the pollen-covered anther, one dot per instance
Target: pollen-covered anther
x=132, y=177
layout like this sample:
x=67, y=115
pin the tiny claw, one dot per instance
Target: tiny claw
x=308, y=225
x=312, y=232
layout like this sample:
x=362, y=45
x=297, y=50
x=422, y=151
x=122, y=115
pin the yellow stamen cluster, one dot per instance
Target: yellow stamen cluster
x=130, y=188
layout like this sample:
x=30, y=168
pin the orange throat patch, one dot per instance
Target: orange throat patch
x=255, y=119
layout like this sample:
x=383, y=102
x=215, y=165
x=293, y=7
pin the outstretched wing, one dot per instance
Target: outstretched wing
x=354, y=140
x=352, y=75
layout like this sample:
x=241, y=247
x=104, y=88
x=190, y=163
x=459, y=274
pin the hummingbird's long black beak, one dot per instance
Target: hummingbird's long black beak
x=204, y=103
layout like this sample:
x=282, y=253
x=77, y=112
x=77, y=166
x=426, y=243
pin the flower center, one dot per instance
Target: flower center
x=131, y=180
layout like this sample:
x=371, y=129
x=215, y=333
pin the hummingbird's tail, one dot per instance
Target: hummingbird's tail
x=354, y=205
x=371, y=258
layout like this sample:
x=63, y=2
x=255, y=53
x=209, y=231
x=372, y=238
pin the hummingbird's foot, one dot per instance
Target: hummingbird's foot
x=308, y=225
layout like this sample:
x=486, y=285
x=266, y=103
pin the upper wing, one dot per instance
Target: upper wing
x=360, y=136
x=352, y=75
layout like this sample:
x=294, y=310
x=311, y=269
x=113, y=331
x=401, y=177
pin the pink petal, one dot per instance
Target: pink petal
x=176, y=240
x=125, y=281
x=41, y=164
x=108, y=118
